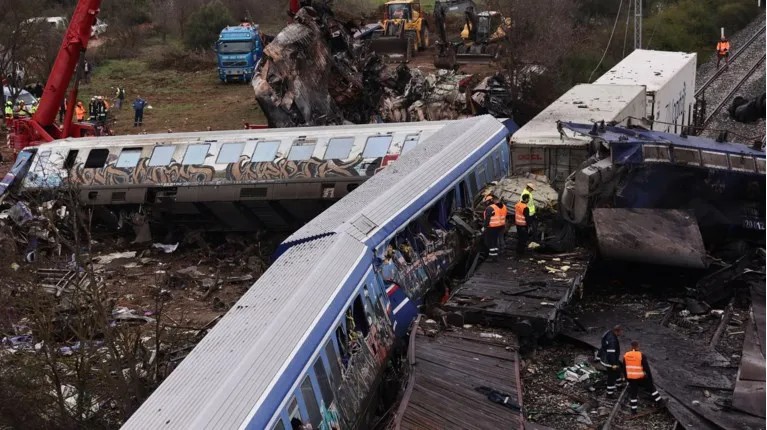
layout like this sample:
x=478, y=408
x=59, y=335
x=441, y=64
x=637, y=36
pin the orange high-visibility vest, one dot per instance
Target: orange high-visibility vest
x=499, y=217
x=633, y=361
x=723, y=47
x=519, y=214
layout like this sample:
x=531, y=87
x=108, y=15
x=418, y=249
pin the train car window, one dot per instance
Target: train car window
x=490, y=169
x=360, y=320
x=97, y=158
x=473, y=183
x=293, y=412
x=324, y=382
x=161, y=156
x=411, y=140
x=128, y=158
x=343, y=348
x=310, y=400
x=339, y=148
x=377, y=146
x=230, y=153
x=482, y=176
x=265, y=151
x=279, y=425
x=465, y=200
x=196, y=154
x=301, y=152
x=371, y=310
x=69, y=162
x=334, y=364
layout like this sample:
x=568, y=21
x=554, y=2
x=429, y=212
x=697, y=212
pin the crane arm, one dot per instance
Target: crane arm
x=75, y=42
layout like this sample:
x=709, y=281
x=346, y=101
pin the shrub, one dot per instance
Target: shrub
x=204, y=24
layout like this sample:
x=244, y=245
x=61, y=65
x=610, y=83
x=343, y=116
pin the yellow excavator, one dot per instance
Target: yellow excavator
x=483, y=39
x=403, y=31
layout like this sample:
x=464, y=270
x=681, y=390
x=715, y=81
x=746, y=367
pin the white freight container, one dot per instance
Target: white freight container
x=539, y=148
x=669, y=80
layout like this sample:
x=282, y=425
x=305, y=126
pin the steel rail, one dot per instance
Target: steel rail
x=732, y=58
x=732, y=92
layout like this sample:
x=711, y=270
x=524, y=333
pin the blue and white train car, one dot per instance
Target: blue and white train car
x=309, y=342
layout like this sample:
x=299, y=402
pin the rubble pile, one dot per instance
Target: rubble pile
x=316, y=73
x=93, y=322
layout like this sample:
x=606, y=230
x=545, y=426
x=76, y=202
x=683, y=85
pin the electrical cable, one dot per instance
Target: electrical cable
x=626, y=33
x=609, y=41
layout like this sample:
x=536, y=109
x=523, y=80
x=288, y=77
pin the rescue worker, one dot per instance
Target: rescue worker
x=639, y=376
x=521, y=220
x=62, y=110
x=531, y=227
x=609, y=356
x=723, y=51
x=33, y=108
x=9, y=109
x=494, y=225
x=119, y=97
x=92, y=109
x=101, y=110
x=80, y=111
x=20, y=109
x=138, y=107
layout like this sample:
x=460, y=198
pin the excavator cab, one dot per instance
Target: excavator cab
x=403, y=31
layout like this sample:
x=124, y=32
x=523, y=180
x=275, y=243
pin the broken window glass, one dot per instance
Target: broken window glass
x=377, y=146
x=343, y=345
x=229, y=153
x=128, y=158
x=360, y=319
x=301, y=152
x=196, y=154
x=97, y=158
x=162, y=155
x=293, y=411
x=310, y=400
x=334, y=364
x=339, y=148
x=265, y=151
x=324, y=382
x=411, y=140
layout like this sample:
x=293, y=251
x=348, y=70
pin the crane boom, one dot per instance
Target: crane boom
x=41, y=126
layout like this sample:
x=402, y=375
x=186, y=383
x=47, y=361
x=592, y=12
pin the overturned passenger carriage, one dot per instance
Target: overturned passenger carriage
x=239, y=180
x=310, y=340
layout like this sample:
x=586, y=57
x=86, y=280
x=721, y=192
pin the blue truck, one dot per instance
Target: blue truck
x=239, y=48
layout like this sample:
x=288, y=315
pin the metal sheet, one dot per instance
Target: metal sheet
x=656, y=236
x=749, y=395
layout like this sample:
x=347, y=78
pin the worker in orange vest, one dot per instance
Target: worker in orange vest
x=522, y=221
x=638, y=376
x=494, y=225
x=723, y=51
x=80, y=111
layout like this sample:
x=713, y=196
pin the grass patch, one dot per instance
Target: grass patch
x=181, y=100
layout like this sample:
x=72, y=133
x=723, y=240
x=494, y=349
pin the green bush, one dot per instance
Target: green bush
x=204, y=25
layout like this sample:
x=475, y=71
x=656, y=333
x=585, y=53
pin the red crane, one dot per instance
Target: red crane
x=41, y=127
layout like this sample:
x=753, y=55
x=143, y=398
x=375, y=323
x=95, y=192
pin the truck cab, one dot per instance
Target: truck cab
x=238, y=49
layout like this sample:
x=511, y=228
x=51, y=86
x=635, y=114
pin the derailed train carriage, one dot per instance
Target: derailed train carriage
x=310, y=341
x=238, y=180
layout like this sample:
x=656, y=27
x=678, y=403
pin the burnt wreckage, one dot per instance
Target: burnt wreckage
x=315, y=72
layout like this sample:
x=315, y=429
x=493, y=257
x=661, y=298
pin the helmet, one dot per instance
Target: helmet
x=488, y=198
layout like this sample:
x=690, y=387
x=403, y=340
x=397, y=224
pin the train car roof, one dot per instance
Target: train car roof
x=394, y=192
x=247, y=359
x=260, y=134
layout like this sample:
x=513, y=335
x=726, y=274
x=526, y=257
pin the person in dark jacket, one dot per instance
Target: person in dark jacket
x=637, y=371
x=138, y=108
x=609, y=356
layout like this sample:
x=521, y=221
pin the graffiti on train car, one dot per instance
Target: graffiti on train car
x=289, y=169
x=330, y=417
x=243, y=171
x=142, y=173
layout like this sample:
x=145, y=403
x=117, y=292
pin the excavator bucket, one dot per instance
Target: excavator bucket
x=392, y=48
x=477, y=54
x=445, y=58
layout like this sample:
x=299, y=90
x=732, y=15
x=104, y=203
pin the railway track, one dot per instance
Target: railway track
x=732, y=59
x=709, y=117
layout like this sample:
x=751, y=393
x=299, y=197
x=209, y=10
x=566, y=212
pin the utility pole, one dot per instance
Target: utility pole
x=637, y=24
